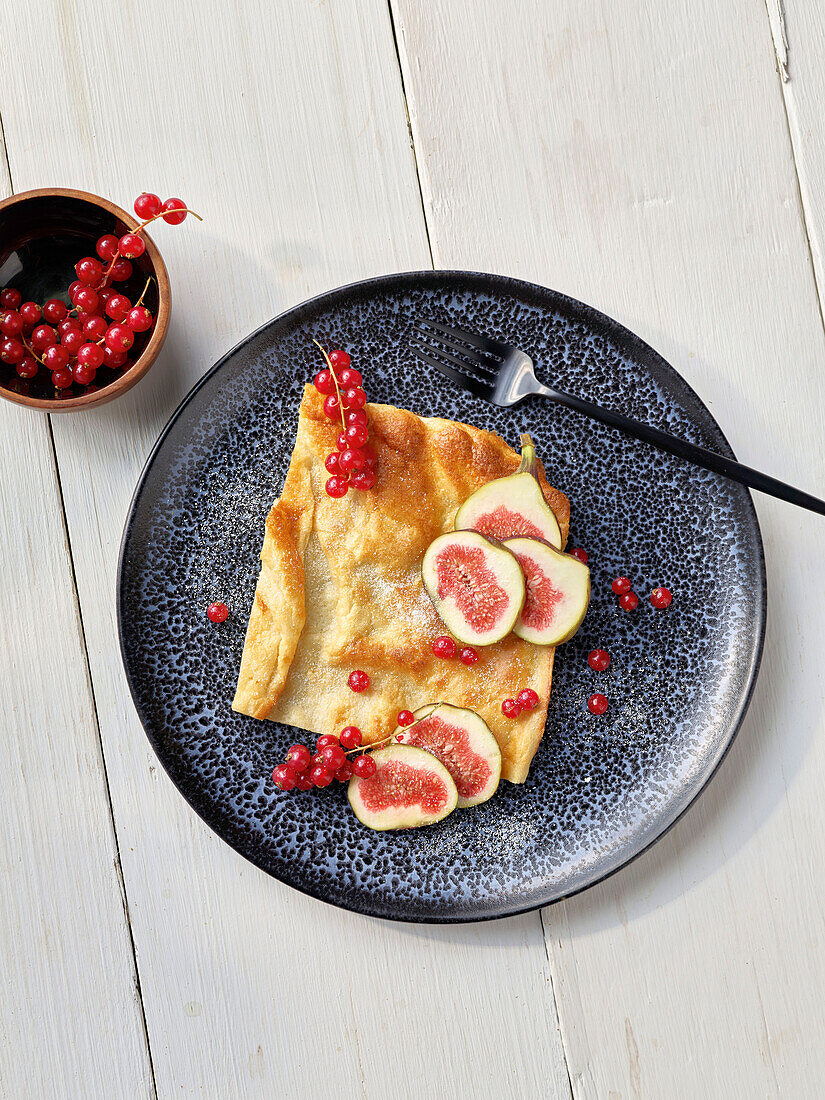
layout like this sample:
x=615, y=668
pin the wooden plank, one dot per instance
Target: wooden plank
x=72, y=1019
x=287, y=130
x=637, y=156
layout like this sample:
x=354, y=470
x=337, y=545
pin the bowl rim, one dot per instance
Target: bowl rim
x=147, y=357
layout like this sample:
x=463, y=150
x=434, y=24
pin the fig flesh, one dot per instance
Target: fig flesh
x=558, y=592
x=462, y=741
x=512, y=507
x=409, y=788
x=476, y=585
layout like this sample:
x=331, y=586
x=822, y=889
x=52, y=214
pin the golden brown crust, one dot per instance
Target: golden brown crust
x=340, y=588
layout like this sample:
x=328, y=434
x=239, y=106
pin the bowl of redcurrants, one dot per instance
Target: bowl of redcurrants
x=84, y=296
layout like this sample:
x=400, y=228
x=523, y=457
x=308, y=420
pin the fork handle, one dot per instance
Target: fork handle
x=699, y=456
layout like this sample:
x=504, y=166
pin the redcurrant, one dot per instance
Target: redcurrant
x=27, y=367
x=131, y=245
x=355, y=416
x=577, y=552
x=43, y=337
x=357, y=435
x=217, y=612
x=629, y=601
x=119, y=337
x=333, y=757
x=62, y=379
x=339, y=359
x=90, y=355
x=56, y=357
x=86, y=299
x=345, y=772
x=349, y=376
x=332, y=406
x=370, y=458
x=324, y=382
x=364, y=480
x=510, y=708
x=117, y=307
x=598, y=659
x=358, y=680
x=11, y=323
x=94, y=328
x=283, y=777
x=121, y=270
x=174, y=211
x=83, y=374
x=355, y=398
x=106, y=247
x=527, y=699
x=88, y=270
x=320, y=776
x=332, y=463
x=113, y=358
x=31, y=314
x=350, y=460
x=147, y=206
x=405, y=718
x=139, y=319
x=337, y=485
x=350, y=737
x=12, y=350
x=10, y=298
x=364, y=767
x=444, y=647
x=661, y=598
x=72, y=340
x=621, y=585
x=597, y=704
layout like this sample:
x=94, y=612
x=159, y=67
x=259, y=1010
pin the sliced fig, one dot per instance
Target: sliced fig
x=558, y=592
x=476, y=585
x=462, y=741
x=409, y=788
x=512, y=507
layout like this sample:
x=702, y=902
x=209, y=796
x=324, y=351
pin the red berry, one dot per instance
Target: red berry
x=11, y=298
x=324, y=740
x=661, y=598
x=283, y=777
x=176, y=211
x=43, y=337
x=82, y=374
x=113, y=358
x=349, y=376
x=139, y=319
x=94, y=328
x=339, y=359
x=527, y=699
x=217, y=612
x=405, y=718
x=131, y=245
x=320, y=776
x=117, y=307
x=331, y=463
x=350, y=737
x=355, y=416
x=89, y=271
x=333, y=757
x=597, y=704
x=510, y=708
x=303, y=782
x=351, y=459
x=341, y=441
x=363, y=480
x=147, y=205
x=56, y=357
x=332, y=406
x=68, y=324
x=63, y=378
x=444, y=647
x=370, y=458
x=364, y=766
x=621, y=585
x=106, y=247
x=629, y=601
x=31, y=314
x=86, y=300
x=12, y=350
x=11, y=323
x=73, y=340
x=337, y=486
x=345, y=772
x=577, y=552
x=90, y=355
x=27, y=367
x=358, y=680
x=598, y=659
x=357, y=435
x=119, y=337
x=467, y=656
x=355, y=398
x=121, y=270
x=324, y=382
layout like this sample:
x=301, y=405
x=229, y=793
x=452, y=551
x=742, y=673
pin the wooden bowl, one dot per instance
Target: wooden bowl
x=43, y=234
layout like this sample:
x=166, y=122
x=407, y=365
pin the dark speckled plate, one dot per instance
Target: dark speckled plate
x=600, y=789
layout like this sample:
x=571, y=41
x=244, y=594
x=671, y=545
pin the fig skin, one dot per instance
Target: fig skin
x=510, y=580
x=481, y=743
x=519, y=494
x=402, y=817
x=565, y=572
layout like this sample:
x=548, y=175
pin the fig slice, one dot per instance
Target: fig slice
x=476, y=585
x=409, y=788
x=462, y=741
x=512, y=507
x=558, y=592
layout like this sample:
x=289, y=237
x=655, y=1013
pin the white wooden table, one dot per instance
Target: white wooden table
x=665, y=162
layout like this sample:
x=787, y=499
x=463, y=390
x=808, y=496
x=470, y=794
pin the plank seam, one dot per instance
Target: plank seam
x=781, y=66
x=117, y=860
x=410, y=132
x=556, y=1004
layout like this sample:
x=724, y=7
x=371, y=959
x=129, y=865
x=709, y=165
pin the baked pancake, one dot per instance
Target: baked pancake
x=340, y=588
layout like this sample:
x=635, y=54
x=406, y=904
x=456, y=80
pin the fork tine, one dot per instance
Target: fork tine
x=485, y=360
x=473, y=338
x=480, y=389
x=471, y=366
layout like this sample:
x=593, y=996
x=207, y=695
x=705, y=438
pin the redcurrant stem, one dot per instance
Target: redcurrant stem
x=335, y=380
x=163, y=213
x=31, y=351
x=140, y=299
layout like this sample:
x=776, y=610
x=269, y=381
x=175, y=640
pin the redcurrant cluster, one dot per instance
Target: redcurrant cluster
x=525, y=700
x=304, y=770
x=99, y=326
x=660, y=597
x=352, y=465
x=446, y=648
